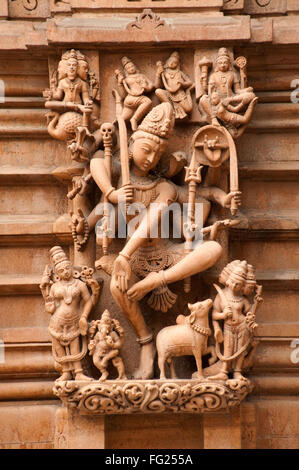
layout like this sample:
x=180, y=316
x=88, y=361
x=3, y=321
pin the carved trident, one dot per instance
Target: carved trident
x=193, y=177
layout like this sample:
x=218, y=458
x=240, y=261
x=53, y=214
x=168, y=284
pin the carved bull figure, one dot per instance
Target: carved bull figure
x=188, y=337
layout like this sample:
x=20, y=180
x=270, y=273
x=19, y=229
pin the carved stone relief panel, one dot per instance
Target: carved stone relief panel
x=117, y=116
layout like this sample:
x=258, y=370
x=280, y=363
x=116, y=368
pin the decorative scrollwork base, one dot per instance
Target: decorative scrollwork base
x=151, y=396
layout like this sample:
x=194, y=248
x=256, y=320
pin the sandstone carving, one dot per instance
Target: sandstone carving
x=148, y=265
x=232, y=306
x=72, y=101
x=147, y=21
x=133, y=86
x=69, y=95
x=138, y=172
x=68, y=300
x=174, y=86
x=150, y=396
x=106, y=337
x=189, y=336
x=224, y=96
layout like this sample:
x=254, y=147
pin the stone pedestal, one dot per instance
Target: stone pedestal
x=73, y=431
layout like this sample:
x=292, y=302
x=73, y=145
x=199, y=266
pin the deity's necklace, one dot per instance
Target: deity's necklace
x=236, y=299
x=147, y=182
x=68, y=295
x=71, y=84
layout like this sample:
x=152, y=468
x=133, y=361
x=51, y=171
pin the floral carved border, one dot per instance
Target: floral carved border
x=151, y=396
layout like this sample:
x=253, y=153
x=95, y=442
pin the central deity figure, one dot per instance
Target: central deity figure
x=148, y=264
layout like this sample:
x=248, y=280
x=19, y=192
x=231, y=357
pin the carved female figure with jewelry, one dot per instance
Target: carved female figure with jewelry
x=69, y=302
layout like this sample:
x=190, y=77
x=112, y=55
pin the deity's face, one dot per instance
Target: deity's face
x=173, y=62
x=223, y=64
x=146, y=154
x=61, y=69
x=249, y=289
x=71, y=68
x=64, y=271
x=130, y=68
x=83, y=70
x=104, y=328
x=237, y=287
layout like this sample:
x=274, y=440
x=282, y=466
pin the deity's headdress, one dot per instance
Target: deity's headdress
x=58, y=256
x=70, y=54
x=250, y=276
x=227, y=270
x=223, y=52
x=106, y=315
x=158, y=122
x=174, y=55
x=239, y=272
x=125, y=61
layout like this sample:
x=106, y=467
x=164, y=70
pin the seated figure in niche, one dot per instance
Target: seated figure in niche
x=226, y=100
x=132, y=88
x=70, y=102
x=148, y=265
x=174, y=86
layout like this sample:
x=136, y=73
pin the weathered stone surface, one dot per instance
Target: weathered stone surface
x=35, y=179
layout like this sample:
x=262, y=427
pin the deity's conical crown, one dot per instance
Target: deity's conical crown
x=250, y=277
x=73, y=54
x=58, y=255
x=159, y=121
x=223, y=52
x=125, y=60
x=239, y=272
x=175, y=54
x=106, y=315
x=227, y=270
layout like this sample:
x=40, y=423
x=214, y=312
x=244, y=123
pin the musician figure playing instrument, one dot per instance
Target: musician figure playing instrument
x=132, y=88
x=174, y=86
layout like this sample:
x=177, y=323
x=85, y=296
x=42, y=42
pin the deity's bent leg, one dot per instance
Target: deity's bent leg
x=142, y=109
x=76, y=365
x=243, y=339
x=248, y=113
x=119, y=365
x=127, y=113
x=59, y=352
x=228, y=350
x=202, y=258
x=133, y=313
x=187, y=103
